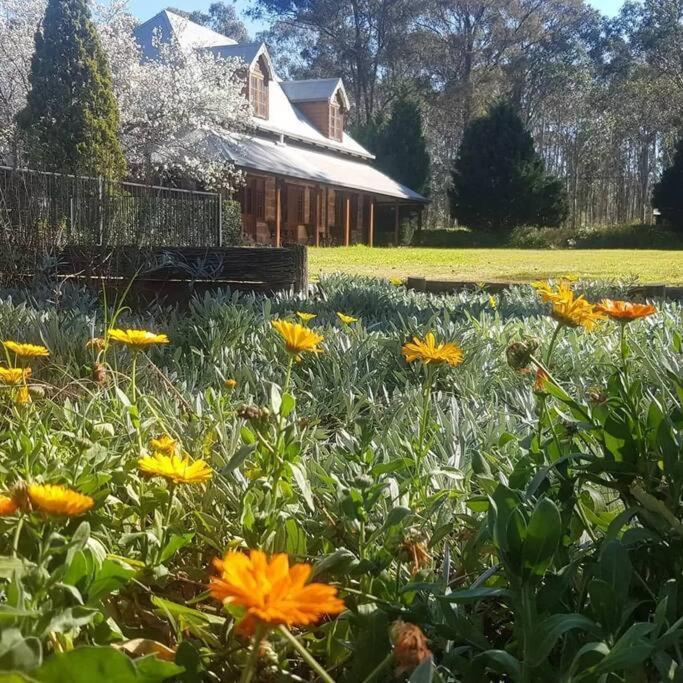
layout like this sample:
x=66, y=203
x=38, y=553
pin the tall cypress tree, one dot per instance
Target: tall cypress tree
x=667, y=195
x=400, y=145
x=71, y=120
x=499, y=181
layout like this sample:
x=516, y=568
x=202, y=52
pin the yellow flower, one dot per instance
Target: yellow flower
x=346, y=319
x=14, y=376
x=396, y=281
x=492, y=302
x=8, y=506
x=297, y=337
x=625, y=311
x=23, y=396
x=231, y=383
x=137, y=339
x=428, y=351
x=176, y=469
x=270, y=591
x=59, y=500
x=567, y=308
x=164, y=444
x=26, y=350
x=97, y=343
x=305, y=317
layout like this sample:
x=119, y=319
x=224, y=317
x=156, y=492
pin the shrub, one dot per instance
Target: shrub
x=668, y=192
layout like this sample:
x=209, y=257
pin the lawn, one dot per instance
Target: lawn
x=517, y=265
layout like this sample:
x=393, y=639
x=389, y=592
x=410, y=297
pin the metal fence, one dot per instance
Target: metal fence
x=42, y=211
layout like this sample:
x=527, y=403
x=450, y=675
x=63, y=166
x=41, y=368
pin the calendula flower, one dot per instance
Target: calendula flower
x=567, y=308
x=410, y=646
x=138, y=340
x=270, y=591
x=305, y=317
x=7, y=506
x=297, y=337
x=625, y=311
x=428, y=351
x=164, y=444
x=58, y=500
x=175, y=468
x=492, y=302
x=26, y=350
x=346, y=319
x=230, y=383
x=14, y=376
x=22, y=396
x=396, y=281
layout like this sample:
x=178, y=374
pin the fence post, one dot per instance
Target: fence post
x=220, y=219
x=300, y=254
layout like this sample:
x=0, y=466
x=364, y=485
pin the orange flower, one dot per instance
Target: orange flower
x=270, y=591
x=59, y=500
x=7, y=506
x=410, y=646
x=297, y=338
x=625, y=311
x=230, y=383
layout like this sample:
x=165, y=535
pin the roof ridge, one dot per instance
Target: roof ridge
x=312, y=80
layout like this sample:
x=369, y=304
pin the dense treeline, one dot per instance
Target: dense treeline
x=603, y=97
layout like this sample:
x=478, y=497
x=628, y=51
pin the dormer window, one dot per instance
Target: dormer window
x=336, y=126
x=258, y=90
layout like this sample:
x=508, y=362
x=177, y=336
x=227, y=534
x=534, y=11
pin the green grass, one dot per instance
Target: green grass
x=516, y=265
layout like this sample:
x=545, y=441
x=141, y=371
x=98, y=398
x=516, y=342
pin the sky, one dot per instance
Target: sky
x=144, y=9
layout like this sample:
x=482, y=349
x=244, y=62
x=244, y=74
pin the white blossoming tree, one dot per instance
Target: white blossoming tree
x=167, y=106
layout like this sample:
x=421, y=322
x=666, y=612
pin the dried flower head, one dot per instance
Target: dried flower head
x=519, y=353
x=410, y=646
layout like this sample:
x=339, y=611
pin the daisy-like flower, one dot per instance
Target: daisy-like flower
x=8, y=506
x=230, y=383
x=625, y=311
x=26, y=350
x=175, y=468
x=346, y=319
x=270, y=591
x=492, y=302
x=567, y=308
x=138, y=340
x=22, y=396
x=396, y=281
x=297, y=337
x=305, y=317
x=14, y=376
x=58, y=500
x=164, y=444
x=428, y=351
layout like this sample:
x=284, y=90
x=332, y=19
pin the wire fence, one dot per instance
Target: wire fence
x=41, y=212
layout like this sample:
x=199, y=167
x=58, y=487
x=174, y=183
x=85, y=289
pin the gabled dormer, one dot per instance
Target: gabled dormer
x=258, y=87
x=323, y=101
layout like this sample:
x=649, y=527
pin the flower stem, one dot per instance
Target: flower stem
x=167, y=522
x=17, y=534
x=306, y=656
x=250, y=669
x=379, y=668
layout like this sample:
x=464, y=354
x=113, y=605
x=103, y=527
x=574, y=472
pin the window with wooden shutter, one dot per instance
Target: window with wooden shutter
x=336, y=121
x=258, y=91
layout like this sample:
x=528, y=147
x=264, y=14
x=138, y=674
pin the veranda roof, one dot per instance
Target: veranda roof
x=269, y=156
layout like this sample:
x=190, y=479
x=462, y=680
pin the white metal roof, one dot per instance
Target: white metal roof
x=292, y=161
x=315, y=90
x=171, y=26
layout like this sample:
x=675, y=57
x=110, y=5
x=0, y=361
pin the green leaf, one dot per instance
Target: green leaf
x=543, y=534
x=175, y=543
x=551, y=629
x=110, y=577
x=424, y=672
x=301, y=479
x=631, y=649
x=476, y=594
x=340, y=562
x=287, y=406
x=17, y=652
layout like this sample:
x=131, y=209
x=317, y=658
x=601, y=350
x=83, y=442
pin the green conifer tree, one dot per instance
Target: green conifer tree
x=71, y=120
x=400, y=145
x=667, y=195
x=499, y=181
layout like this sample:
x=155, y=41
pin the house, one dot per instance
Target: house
x=307, y=180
